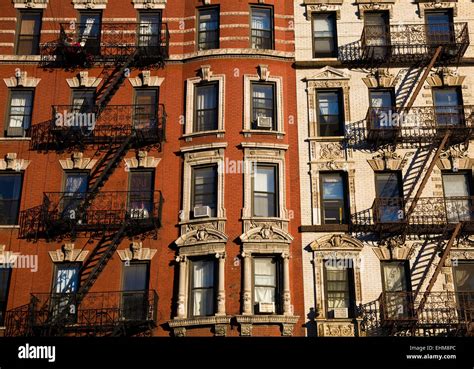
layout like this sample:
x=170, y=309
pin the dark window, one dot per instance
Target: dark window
x=206, y=107
x=330, y=113
x=339, y=287
x=202, y=287
x=146, y=103
x=83, y=100
x=135, y=291
x=265, y=191
x=29, y=33
x=208, y=29
x=448, y=106
x=19, y=115
x=65, y=285
x=10, y=192
x=262, y=28
x=4, y=286
x=398, y=300
x=324, y=35
x=75, y=188
x=457, y=192
x=377, y=34
x=439, y=27
x=204, y=188
x=263, y=105
x=381, y=105
x=141, y=187
x=149, y=32
x=333, y=202
x=90, y=31
x=389, y=202
x=266, y=284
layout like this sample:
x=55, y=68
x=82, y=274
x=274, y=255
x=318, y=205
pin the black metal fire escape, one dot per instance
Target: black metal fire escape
x=430, y=138
x=112, y=221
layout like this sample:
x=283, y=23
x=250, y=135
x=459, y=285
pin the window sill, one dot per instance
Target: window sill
x=199, y=321
x=15, y=138
x=267, y=319
x=250, y=132
x=327, y=138
x=189, y=136
x=324, y=228
x=202, y=220
x=9, y=226
x=266, y=219
x=325, y=59
x=19, y=58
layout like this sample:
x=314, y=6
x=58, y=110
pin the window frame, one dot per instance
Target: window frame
x=134, y=262
x=21, y=175
x=345, y=200
x=4, y=300
x=141, y=13
x=341, y=115
x=193, y=188
x=141, y=192
x=272, y=25
x=350, y=273
x=34, y=47
x=198, y=23
x=317, y=55
x=97, y=40
x=253, y=123
x=191, y=287
x=406, y=266
x=278, y=281
x=55, y=275
x=8, y=114
x=196, y=87
x=276, y=194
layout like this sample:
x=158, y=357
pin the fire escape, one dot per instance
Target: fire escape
x=439, y=221
x=104, y=217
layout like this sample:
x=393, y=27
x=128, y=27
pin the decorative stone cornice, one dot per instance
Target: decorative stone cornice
x=316, y=6
x=266, y=233
x=455, y=158
x=388, y=160
x=336, y=242
x=136, y=251
x=205, y=73
x=220, y=324
x=77, y=161
x=335, y=329
x=424, y=5
x=201, y=235
x=142, y=160
x=375, y=5
x=263, y=72
x=10, y=162
x=21, y=79
x=328, y=73
x=393, y=249
x=68, y=253
x=145, y=79
x=149, y=4
x=82, y=79
x=89, y=4
x=30, y=4
x=445, y=77
x=246, y=321
x=380, y=78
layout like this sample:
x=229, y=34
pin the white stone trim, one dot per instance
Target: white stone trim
x=89, y=4
x=83, y=80
x=141, y=160
x=145, y=79
x=322, y=6
x=206, y=75
x=10, y=162
x=67, y=252
x=136, y=251
x=424, y=5
x=375, y=5
x=77, y=161
x=149, y=4
x=21, y=79
x=30, y=4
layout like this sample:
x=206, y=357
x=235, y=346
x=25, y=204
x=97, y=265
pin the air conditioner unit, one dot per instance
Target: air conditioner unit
x=202, y=211
x=264, y=122
x=266, y=307
x=341, y=313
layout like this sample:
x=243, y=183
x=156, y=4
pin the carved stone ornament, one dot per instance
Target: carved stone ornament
x=375, y=5
x=10, y=162
x=21, y=79
x=205, y=72
x=136, y=251
x=201, y=235
x=82, y=79
x=149, y=4
x=445, y=77
x=263, y=72
x=393, y=249
x=318, y=6
x=388, y=160
x=30, y=4
x=330, y=150
x=141, y=160
x=89, y=4
x=424, y=5
x=455, y=158
x=68, y=253
x=329, y=329
x=380, y=78
x=266, y=233
x=77, y=161
x=146, y=79
x=336, y=242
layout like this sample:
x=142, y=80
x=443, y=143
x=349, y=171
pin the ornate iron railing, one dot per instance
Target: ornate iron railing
x=72, y=125
x=420, y=124
x=394, y=311
x=82, y=44
x=406, y=43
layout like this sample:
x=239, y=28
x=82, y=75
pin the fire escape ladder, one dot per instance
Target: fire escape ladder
x=408, y=83
x=442, y=259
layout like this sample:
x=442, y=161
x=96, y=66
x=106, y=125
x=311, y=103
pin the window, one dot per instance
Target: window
x=145, y=108
x=330, y=113
x=75, y=188
x=334, y=202
x=83, y=100
x=377, y=34
x=19, y=116
x=439, y=27
x=389, y=201
x=202, y=287
x=135, y=290
x=28, y=33
x=324, y=35
x=398, y=300
x=204, y=189
x=5, y=274
x=381, y=105
x=262, y=28
x=448, y=106
x=457, y=193
x=263, y=105
x=89, y=31
x=266, y=284
x=339, y=288
x=149, y=32
x=10, y=192
x=206, y=107
x=464, y=276
x=265, y=190
x=141, y=187
x=65, y=284
x=208, y=29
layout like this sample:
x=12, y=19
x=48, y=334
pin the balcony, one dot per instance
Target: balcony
x=399, y=313
x=422, y=124
x=72, y=125
x=64, y=212
x=96, y=313
x=82, y=45
x=402, y=44
x=431, y=215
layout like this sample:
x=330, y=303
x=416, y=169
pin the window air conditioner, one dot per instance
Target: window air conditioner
x=266, y=307
x=264, y=122
x=341, y=313
x=202, y=211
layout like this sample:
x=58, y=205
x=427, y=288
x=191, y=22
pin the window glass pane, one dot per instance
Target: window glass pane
x=28, y=39
x=67, y=276
x=206, y=107
x=380, y=99
x=90, y=24
x=21, y=104
x=265, y=279
x=338, y=286
x=464, y=276
x=261, y=19
x=387, y=184
x=203, y=274
x=328, y=103
x=446, y=97
x=135, y=277
x=4, y=284
x=394, y=276
x=456, y=184
x=333, y=186
x=76, y=182
x=323, y=25
x=208, y=29
x=205, y=187
x=141, y=181
x=264, y=188
x=264, y=179
x=203, y=287
x=324, y=35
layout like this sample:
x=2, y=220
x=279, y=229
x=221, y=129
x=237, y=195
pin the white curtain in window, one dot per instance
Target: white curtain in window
x=322, y=27
x=265, y=280
x=461, y=276
x=66, y=279
x=264, y=180
x=394, y=277
x=20, y=110
x=203, y=282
